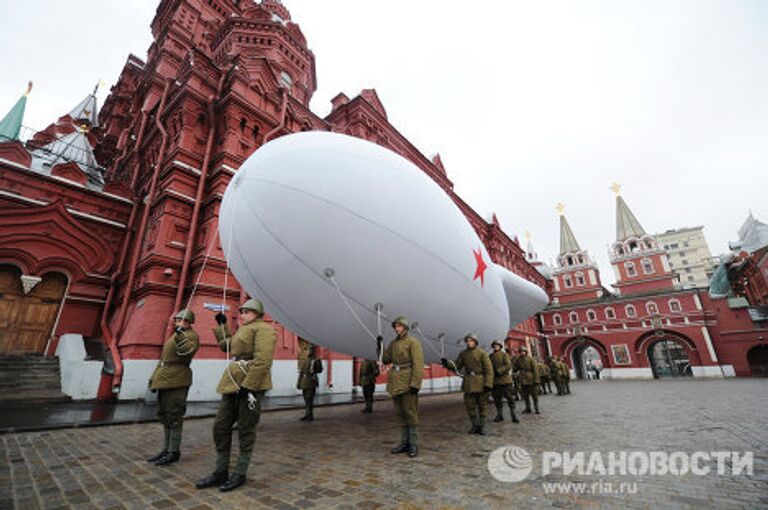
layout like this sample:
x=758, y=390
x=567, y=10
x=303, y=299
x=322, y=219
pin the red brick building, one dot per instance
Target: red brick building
x=648, y=326
x=118, y=230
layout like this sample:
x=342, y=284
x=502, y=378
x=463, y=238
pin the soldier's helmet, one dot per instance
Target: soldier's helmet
x=496, y=342
x=254, y=305
x=402, y=321
x=186, y=315
x=471, y=336
x=523, y=348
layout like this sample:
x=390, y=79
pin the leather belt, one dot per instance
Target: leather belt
x=397, y=368
x=170, y=363
x=240, y=358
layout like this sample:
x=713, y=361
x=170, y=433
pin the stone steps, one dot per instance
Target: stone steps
x=30, y=378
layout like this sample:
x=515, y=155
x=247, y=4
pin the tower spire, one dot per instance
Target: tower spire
x=10, y=125
x=568, y=242
x=626, y=224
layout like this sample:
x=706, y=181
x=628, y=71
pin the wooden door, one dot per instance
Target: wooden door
x=26, y=321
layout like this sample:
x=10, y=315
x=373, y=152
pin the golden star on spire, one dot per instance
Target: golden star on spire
x=527, y=235
x=29, y=89
x=560, y=208
x=616, y=188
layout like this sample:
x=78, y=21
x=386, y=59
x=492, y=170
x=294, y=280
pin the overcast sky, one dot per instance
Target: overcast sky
x=528, y=103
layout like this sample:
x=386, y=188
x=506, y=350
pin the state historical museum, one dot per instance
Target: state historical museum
x=106, y=216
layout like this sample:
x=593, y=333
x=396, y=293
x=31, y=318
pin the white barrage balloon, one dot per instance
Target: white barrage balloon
x=323, y=227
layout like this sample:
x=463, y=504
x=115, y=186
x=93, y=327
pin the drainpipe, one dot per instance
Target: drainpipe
x=198, y=199
x=281, y=124
x=143, y=225
x=105, y=329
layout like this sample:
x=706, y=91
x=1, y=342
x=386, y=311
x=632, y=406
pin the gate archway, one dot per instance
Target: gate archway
x=757, y=357
x=575, y=349
x=668, y=358
x=584, y=357
x=27, y=318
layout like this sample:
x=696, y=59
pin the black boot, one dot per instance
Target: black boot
x=499, y=415
x=401, y=448
x=413, y=450
x=481, y=427
x=168, y=458
x=234, y=482
x=157, y=457
x=514, y=417
x=214, y=479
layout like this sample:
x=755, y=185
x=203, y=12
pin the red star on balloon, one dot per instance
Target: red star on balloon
x=481, y=266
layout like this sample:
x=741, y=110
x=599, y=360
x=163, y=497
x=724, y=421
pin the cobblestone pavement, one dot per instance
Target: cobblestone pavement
x=342, y=459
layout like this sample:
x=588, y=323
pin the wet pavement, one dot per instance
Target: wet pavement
x=18, y=417
x=342, y=459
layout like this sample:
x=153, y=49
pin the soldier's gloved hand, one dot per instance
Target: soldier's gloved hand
x=414, y=391
x=243, y=392
x=444, y=362
x=220, y=318
x=178, y=329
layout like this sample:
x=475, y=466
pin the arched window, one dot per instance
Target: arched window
x=591, y=315
x=557, y=320
x=573, y=317
x=580, y=279
x=630, y=311
x=567, y=280
x=674, y=305
x=629, y=267
x=647, y=266
x=609, y=313
x=651, y=307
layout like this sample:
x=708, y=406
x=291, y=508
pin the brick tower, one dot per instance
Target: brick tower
x=222, y=77
x=639, y=263
x=576, y=276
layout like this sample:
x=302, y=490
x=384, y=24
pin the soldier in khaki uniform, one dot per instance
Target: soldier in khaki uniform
x=554, y=374
x=515, y=375
x=565, y=376
x=474, y=365
x=544, y=374
x=502, y=382
x=529, y=380
x=309, y=368
x=369, y=371
x=242, y=387
x=405, y=355
x=172, y=379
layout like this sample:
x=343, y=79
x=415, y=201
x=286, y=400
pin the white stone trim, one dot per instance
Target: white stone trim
x=710, y=347
x=80, y=378
x=75, y=212
x=181, y=164
x=207, y=372
x=627, y=373
x=714, y=372
x=182, y=196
